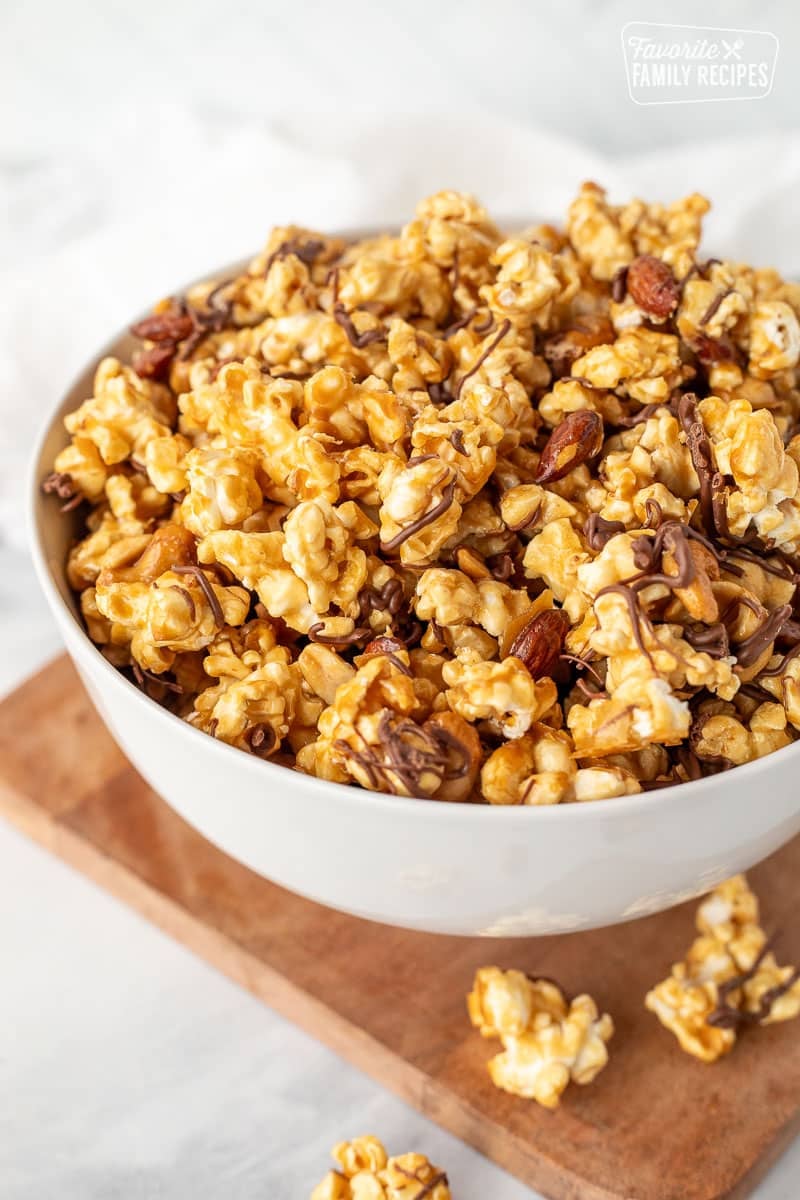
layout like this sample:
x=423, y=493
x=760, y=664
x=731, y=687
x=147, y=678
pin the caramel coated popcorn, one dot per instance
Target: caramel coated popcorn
x=507, y=517
x=730, y=978
x=364, y=1171
x=547, y=1040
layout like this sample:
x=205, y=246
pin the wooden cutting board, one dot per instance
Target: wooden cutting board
x=656, y=1125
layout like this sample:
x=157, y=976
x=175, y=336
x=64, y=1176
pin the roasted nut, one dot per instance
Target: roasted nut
x=578, y=438
x=171, y=325
x=652, y=285
x=540, y=643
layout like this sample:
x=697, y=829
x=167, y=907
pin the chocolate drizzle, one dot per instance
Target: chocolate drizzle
x=62, y=485
x=461, y=323
x=712, y=640
x=308, y=252
x=638, y=618
x=702, y=459
x=262, y=740
x=599, y=531
x=637, y=418
x=207, y=589
x=343, y=318
x=751, y=649
x=342, y=639
x=485, y=325
x=714, y=497
x=406, y=753
x=389, y=598
x=714, y=306
x=141, y=676
x=783, y=664
x=495, y=342
x=448, y=495
x=619, y=284
x=728, y=1016
x=188, y=598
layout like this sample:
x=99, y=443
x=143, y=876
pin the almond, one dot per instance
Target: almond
x=155, y=362
x=172, y=325
x=540, y=643
x=577, y=438
x=652, y=286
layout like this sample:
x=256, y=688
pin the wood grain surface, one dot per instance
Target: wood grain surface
x=656, y=1125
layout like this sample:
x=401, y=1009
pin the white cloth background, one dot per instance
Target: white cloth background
x=90, y=242
x=139, y=146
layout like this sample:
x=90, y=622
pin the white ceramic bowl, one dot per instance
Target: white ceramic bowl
x=445, y=868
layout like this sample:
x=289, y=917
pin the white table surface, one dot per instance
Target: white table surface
x=129, y=1069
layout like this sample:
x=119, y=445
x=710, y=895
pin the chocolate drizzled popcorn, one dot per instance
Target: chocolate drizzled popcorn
x=458, y=514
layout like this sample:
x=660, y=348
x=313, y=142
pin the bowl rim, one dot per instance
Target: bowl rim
x=278, y=774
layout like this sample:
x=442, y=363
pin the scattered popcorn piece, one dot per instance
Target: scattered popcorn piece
x=366, y=1172
x=729, y=979
x=547, y=1041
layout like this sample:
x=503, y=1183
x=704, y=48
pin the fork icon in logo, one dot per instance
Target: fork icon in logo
x=733, y=49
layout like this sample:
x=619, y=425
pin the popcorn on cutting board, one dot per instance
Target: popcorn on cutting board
x=729, y=980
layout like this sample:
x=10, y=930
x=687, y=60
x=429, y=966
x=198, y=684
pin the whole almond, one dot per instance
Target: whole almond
x=540, y=643
x=155, y=362
x=172, y=325
x=652, y=286
x=577, y=438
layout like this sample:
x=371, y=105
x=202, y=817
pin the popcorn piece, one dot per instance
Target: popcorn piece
x=452, y=598
x=254, y=713
x=173, y=613
x=547, y=1041
x=529, y=279
x=419, y=509
x=222, y=489
x=721, y=737
x=368, y=1173
x=645, y=364
x=506, y=1004
x=774, y=339
x=122, y=416
x=369, y=733
x=319, y=546
x=539, y=1065
x=748, y=448
x=606, y=238
x=729, y=979
x=504, y=693
x=554, y=556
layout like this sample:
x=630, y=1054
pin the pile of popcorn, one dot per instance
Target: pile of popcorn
x=456, y=514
